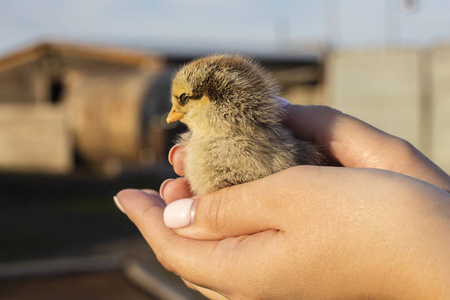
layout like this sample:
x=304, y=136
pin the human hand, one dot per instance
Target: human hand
x=339, y=226
x=317, y=233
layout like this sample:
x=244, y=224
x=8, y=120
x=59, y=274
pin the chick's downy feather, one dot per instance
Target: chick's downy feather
x=235, y=124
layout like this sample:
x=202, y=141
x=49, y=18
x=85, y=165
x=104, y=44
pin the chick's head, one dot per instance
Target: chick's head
x=223, y=92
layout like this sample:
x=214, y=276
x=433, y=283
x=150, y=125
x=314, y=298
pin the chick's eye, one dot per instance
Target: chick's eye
x=184, y=99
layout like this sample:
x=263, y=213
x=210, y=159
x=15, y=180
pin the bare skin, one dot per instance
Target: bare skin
x=376, y=228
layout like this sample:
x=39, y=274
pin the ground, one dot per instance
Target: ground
x=56, y=217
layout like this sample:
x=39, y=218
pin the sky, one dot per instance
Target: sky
x=248, y=25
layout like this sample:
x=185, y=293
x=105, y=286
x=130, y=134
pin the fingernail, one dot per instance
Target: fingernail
x=169, y=157
x=119, y=206
x=180, y=213
x=283, y=102
x=161, y=188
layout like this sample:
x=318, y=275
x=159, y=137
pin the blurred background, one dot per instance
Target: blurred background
x=84, y=93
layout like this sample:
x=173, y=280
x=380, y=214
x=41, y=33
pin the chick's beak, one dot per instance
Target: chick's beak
x=174, y=116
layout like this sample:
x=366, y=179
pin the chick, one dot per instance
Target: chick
x=236, y=133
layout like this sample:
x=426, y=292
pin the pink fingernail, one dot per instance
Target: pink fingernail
x=119, y=206
x=180, y=213
x=161, y=188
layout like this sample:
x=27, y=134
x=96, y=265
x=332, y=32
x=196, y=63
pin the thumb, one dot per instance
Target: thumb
x=233, y=211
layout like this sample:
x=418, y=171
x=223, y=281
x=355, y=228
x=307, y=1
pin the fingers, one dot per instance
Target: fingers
x=210, y=294
x=175, y=189
x=235, y=211
x=409, y=161
x=200, y=263
x=176, y=158
x=188, y=258
x=351, y=142
x=256, y=207
x=354, y=143
x=155, y=195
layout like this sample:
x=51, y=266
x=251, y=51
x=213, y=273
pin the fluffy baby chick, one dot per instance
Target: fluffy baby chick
x=229, y=105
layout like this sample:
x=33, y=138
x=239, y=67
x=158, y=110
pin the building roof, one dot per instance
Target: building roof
x=123, y=56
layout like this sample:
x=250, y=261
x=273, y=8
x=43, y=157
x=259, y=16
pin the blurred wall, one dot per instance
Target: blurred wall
x=404, y=92
x=34, y=139
x=440, y=106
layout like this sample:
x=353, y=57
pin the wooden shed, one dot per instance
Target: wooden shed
x=61, y=101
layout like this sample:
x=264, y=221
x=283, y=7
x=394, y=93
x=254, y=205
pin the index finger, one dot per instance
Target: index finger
x=354, y=143
x=347, y=140
x=186, y=257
